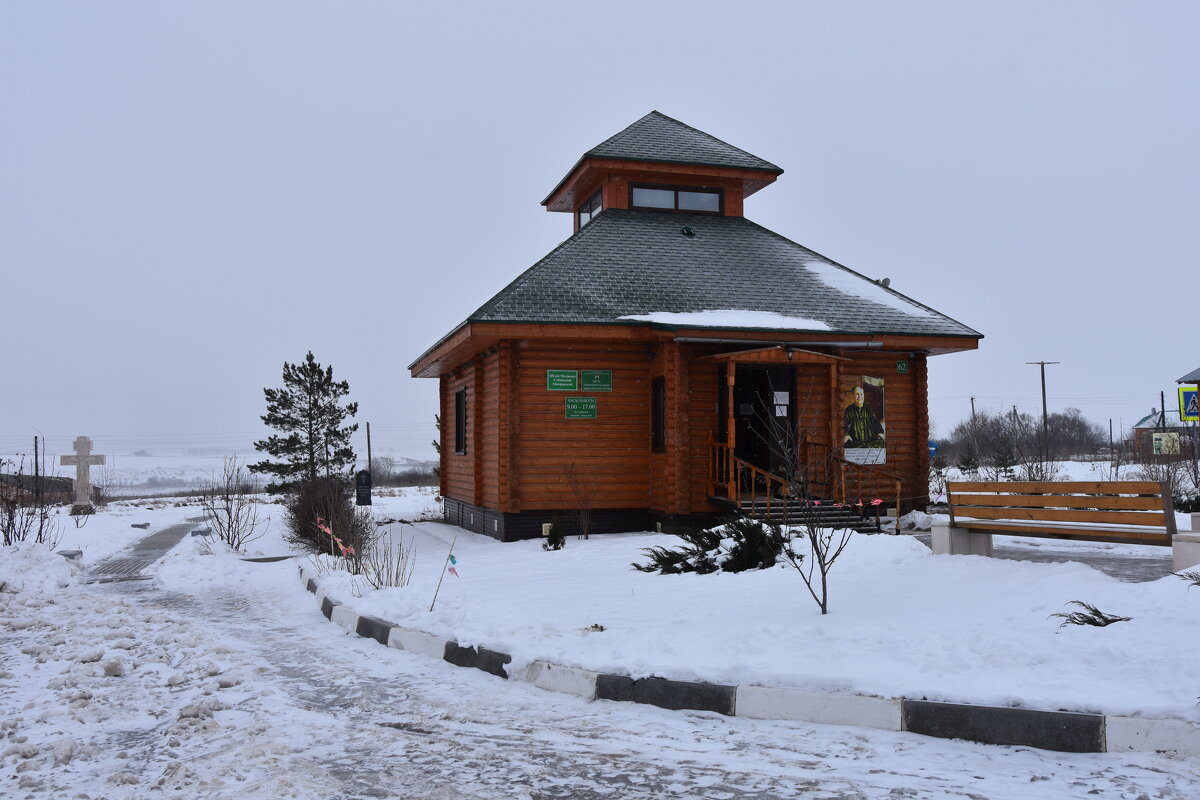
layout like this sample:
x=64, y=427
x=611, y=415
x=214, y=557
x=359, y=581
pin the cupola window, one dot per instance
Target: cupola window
x=694, y=200
x=589, y=210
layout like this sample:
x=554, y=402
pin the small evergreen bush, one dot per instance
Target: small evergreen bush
x=737, y=546
x=556, y=540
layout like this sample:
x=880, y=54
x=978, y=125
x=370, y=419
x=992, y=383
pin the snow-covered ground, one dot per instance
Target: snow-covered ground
x=220, y=679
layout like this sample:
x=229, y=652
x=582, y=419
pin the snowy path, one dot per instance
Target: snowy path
x=244, y=690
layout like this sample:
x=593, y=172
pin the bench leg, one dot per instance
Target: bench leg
x=1185, y=551
x=960, y=541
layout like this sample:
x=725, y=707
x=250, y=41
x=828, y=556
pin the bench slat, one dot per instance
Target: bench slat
x=1057, y=501
x=1058, y=487
x=1115, y=535
x=1150, y=518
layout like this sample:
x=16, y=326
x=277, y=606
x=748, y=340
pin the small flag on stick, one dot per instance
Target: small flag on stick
x=450, y=559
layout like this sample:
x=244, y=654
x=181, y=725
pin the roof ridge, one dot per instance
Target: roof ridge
x=763, y=164
x=710, y=136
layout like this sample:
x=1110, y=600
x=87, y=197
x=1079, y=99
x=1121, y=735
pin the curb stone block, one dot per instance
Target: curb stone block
x=824, y=708
x=345, y=617
x=373, y=628
x=556, y=678
x=480, y=658
x=1063, y=731
x=311, y=586
x=417, y=642
x=327, y=606
x=665, y=693
x=1133, y=734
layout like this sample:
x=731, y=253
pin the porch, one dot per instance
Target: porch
x=778, y=450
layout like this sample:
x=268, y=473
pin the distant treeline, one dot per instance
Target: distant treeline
x=1014, y=438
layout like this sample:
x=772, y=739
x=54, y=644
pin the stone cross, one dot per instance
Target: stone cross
x=82, y=460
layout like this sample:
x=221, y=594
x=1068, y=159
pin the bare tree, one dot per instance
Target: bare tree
x=230, y=508
x=826, y=541
x=25, y=515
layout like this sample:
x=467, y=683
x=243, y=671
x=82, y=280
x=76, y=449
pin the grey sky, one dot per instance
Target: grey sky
x=193, y=193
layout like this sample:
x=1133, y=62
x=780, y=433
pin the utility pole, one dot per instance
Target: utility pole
x=1045, y=424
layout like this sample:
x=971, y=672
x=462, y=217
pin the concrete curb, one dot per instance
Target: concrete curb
x=1064, y=731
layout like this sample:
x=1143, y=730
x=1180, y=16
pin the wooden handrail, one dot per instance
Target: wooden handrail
x=727, y=470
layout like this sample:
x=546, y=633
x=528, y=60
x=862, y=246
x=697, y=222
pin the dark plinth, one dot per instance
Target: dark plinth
x=666, y=693
x=479, y=658
x=1049, y=730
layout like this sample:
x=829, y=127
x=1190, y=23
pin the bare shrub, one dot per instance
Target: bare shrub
x=389, y=564
x=329, y=502
x=581, y=489
x=1175, y=473
x=25, y=515
x=229, y=507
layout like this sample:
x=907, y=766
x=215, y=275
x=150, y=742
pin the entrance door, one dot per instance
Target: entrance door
x=764, y=399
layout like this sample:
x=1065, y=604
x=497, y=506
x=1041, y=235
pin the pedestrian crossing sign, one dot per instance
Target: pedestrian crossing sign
x=1189, y=404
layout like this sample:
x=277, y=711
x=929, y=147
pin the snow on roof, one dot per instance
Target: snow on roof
x=844, y=280
x=731, y=318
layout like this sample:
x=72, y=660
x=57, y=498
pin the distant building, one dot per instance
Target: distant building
x=640, y=368
x=1141, y=437
x=25, y=488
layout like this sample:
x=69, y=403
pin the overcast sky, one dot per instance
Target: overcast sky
x=193, y=193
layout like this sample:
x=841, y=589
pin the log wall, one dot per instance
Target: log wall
x=610, y=454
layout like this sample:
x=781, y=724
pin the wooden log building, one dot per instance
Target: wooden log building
x=650, y=366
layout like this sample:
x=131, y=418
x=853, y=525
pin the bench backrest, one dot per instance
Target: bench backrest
x=1100, y=502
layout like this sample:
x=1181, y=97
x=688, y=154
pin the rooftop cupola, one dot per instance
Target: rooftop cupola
x=660, y=164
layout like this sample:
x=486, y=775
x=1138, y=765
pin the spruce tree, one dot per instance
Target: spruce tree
x=308, y=412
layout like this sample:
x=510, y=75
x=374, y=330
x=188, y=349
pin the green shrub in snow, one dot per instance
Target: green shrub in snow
x=740, y=545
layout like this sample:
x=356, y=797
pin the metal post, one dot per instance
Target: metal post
x=370, y=463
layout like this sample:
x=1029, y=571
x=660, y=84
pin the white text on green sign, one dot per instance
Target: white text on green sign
x=597, y=380
x=580, y=407
x=562, y=380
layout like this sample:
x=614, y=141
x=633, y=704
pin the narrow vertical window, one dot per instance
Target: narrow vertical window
x=658, y=415
x=460, y=421
x=590, y=209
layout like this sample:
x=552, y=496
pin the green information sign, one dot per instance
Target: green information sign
x=562, y=380
x=597, y=380
x=581, y=407
x=902, y=367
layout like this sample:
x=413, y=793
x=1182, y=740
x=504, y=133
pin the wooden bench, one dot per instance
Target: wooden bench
x=1128, y=512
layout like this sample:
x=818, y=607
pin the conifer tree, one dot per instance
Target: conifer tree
x=312, y=441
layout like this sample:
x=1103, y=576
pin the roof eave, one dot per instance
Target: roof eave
x=581, y=165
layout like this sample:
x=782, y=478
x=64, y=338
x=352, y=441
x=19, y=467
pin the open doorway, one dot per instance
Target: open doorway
x=764, y=399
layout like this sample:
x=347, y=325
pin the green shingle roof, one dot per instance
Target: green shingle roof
x=659, y=138
x=627, y=263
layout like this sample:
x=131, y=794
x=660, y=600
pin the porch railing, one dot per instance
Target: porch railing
x=827, y=475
